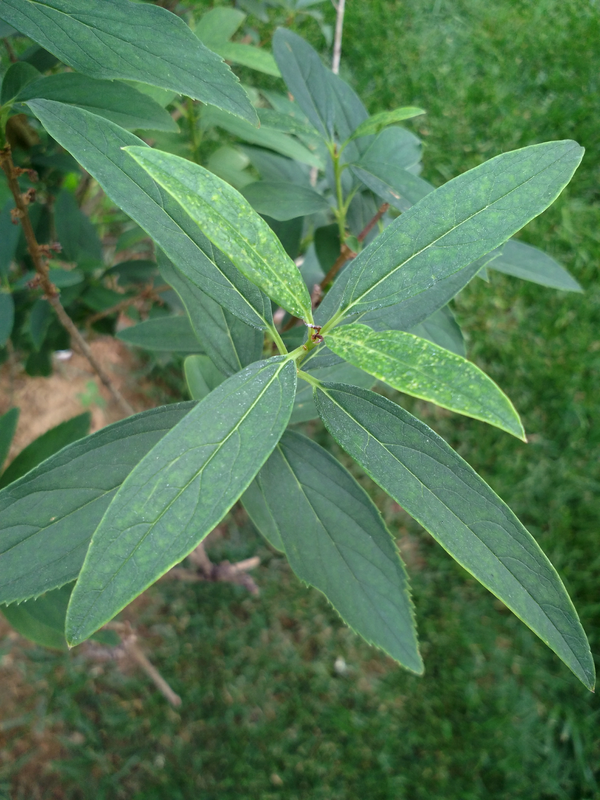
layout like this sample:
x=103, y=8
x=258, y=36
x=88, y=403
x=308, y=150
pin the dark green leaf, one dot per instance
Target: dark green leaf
x=129, y=40
x=39, y=322
x=230, y=343
x=136, y=271
x=232, y=225
x=47, y=517
x=457, y=224
x=397, y=186
x=422, y=369
x=304, y=403
x=442, y=328
x=348, y=113
x=9, y=237
x=336, y=541
x=7, y=316
x=114, y=100
x=39, y=58
x=75, y=232
x=168, y=334
x=284, y=201
x=39, y=365
x=45, y=446
x=255, y=503
x=328, y=245
x=378, y=122
x=201, y=376
x=97, y=144
x=16, y=78
x=100, y=298
x=306, y=78
x=263, y=136
x=287, y=123
x=272, y=167
x=531, y=264
x=181, y=490
x=8, y=426
x=441, y=491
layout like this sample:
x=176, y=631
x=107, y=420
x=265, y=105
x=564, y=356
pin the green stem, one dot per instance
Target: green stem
x=306, y=376
x=274, y=334
x=195, y=138
x=341, y=208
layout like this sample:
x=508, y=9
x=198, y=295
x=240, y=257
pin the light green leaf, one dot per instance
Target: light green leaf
x=458, y=223
x=422, y=369
x=284, y=201
x=7, y=316
x=306, y=78
x=97, y=144
x=181, y=490
x=8, y=426
x=201, y=376
x=263, y=136
x=47, y=517
x=163, y=334
x=530, y=264
x=336, y=541
x=441, y=491
x=230, y=164
x=218, y=25
x=114, y=100
x=130, y=40
x=288, y=123
x=248, y=56
x=378, y=122
x=229, y=342
x=232, y=225
x=45, y=446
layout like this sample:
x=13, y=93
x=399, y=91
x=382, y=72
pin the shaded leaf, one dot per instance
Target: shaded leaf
x=16, y=78
x=74, y=230
x=443, y=329
x=47, y=517
x=115, y=100
x=231, y=224
x=336, y=541
x=130, y=40
x=8, y=426
x=39, y=322
x=45, y=446
x=7, y=316
x=163, y=334
x=218, y=25
x=339, y=371
x=441, y=491
x=422, y=369
x=97, y=144
x=397, y=186
x=530, y=264
x=181, y=490
x=248, y=56
x=284, y=201
x=272, y=167
x=201, y=376
x=9, y=237
x=229, y=342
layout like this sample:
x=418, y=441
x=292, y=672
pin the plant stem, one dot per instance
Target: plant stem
x=274, y=333
x=192, y=122
x=38, y=256
x=149, y=293
x=306, y=376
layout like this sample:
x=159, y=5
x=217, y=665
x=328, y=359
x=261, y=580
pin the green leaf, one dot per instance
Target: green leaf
x=229, y=342
x=442, y=328
x=263, y=136
x=397, y=186
x=218, y=25
x=458, y=223
x=47, y=517
x=130, y=40
x=75, y=232
x=8, y=426
x=530, y=264
x=201, y=376
x=336, y=541
x=304, y=402
x=272, y=167
x=378, y=122
x=257, y=508
x=114, y=100
x=288, y=123
x=232, y=225
x=163, y=334
x=16, y=78
x=42, y=620
x=230, y=163
x=306, y=78
x=284, y=201
x=135, y=272
x=181, y=490
x=45, y=446
x=39, y=322
x=97, y=144
x=9, y=237
x=441, y=491
x=422, y=369
x=7, y=316
x=248, y=56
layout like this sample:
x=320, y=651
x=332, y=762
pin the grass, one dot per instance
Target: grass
x=265, y=713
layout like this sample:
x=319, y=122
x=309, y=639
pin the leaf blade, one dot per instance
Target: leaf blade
x=436, y=487
x=283, y=201
x=377, y=122
x=422, y=369
x=530, y=264
x=159, y=515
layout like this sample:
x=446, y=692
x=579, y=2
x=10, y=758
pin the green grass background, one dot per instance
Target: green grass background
x=265, y=715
